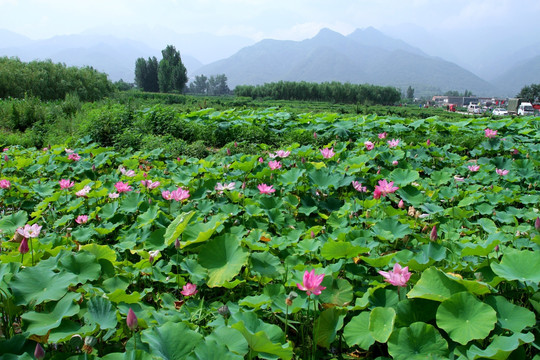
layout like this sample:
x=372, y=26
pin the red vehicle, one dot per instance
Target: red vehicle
x=451, y=107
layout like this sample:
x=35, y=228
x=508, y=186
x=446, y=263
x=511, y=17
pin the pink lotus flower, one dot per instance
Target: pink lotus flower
x=458, y=178
x=114, y=195
x=261, y=160
x=189, y=289
x=68, y=151
x=501, y=172
x=382, y=135
x=266, y=189
x=149, y=184
x=84, y=191
x=283, y=154
x=401, y=204
x=23, y=247
x=5, y=184
x=369, y=145
x=65, y=184
x=274, y=165
x=358, y=186
x=131, y=320
x=327, y=153
x=395, y=162
x=398, y=276
x=122, y=187
x=473, y=168
x=128, y=173
x=153, y=255
x=177, y=195
x=393, y=143
x=384, y=188
x=74, y=157
x=314, y=135
x=6, y=149
x=428, y=142
x=222, y=187
x=311, y=283
x=29, y=231
x=490, y=133
x=81, y=219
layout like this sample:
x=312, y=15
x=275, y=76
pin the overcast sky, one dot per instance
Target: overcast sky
x=258, y=19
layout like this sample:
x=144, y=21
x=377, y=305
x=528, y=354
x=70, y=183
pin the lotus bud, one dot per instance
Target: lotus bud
x=428, y=142
x=177, y=244
x=401, y=204
x=312, y=234
x=131, y=320
x=433, y=235
x=537, y=224
x=228, y=151
x=497, y=248
x=23, y=248
x=261, y=160
x=39, y=352
x=314, y=135
x=235, y=144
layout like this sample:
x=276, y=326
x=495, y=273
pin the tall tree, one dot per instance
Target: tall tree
x=199, y=85
x=172, y=74
x=146, y=74
x=140, y=73
x=530, y=93
x=410, y=93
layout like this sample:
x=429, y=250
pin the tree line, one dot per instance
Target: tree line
x=51, y=81
x=167, y=75
x=327, y=91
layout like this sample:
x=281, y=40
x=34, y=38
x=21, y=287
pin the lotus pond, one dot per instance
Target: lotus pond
x=386, y=238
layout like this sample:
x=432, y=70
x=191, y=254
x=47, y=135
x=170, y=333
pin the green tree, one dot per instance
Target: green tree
x=199, y=85
x=410, y=93
x=530, y=93
x=217, y=85
x=172, y=74
x=146, y=74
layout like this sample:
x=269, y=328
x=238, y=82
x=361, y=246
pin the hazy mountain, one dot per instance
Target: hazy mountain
x=356, y=58
x=9, y=38
x=524, y=73
x=108, y=54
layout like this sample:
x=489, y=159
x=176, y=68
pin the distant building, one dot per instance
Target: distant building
x=462, y=101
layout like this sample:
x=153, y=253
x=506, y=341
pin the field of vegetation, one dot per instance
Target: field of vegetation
x=186, y=232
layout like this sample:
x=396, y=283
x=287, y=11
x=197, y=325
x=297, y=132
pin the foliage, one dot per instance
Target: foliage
x=172, y=74
x=530, y=93
x=49, y=81
x=146, y=74
x=327, y=91
x=473, y=292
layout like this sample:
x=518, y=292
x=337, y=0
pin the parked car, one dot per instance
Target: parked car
x=474, y=109
x=500, y=112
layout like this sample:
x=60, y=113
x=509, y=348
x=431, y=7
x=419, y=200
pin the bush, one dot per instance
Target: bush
x=105, y=124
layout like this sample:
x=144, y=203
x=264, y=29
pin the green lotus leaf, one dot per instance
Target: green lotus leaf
x=255, y=301
x=266, y=264
x=341, y=249
x=415, y=310
x=501, y=347
x=100, y=251
x=435, y=285
x=101, y=312
x=402, y=177
x=109, y=210
x=519, y=265
x=51, y=286
x=291, y=177
x=381, y=323
x=379, y=261
x=329, y=322
x=10, y=223
x=511, y=317
x=201, y=232
x=171, y=341
x=391, y=229
x=130, y=202
x=231, y=338
x=177, y=227
x=323, y=178
x=214, y=350
x=338, y=292
x=465, y=318
x=488, y=225
x=68, y=328
x=83, y=264
x=418, y=341
x=40, y=323
x=148, y=217
x=356, y=332
x=223, y=257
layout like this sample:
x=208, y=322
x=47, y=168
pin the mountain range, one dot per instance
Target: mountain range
x=364, y=56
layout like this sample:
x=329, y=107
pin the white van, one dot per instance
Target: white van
x=474, y=109
x=525, y=108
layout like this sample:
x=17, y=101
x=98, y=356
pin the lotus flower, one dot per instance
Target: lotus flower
x=150, y=184
x=311, y=283
x=29, y=231
x=180, y=194
x=114, y=195
x=222, y=187
x=490, y=133
x=266, y=189
x=501, y=172
x=68, y=151
x=283, y=154
x=131, y=320
x=327, y=153
x=433, y=234
x=473, y=168
x=74, y=157
x=189, y=289
x=81, y=219
x=23, y=247
x=398, y=276
x=274, y=165
x=128, y=173
x=65, y=184
x=5, y=184
x=358, y=186
x=393, y=143
x=384, y=188
x=401, y=204
x=382, y=135
x=153, y=255
x=122, y=187
x=369, y=145
x=84, y=191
